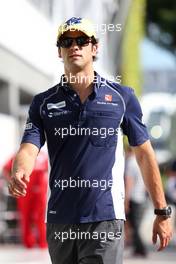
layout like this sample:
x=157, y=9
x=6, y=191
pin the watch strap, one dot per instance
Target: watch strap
x=166, y=211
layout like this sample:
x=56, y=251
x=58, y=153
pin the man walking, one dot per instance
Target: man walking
x=82, y=120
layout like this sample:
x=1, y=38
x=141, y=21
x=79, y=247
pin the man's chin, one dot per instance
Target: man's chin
x=77, y=65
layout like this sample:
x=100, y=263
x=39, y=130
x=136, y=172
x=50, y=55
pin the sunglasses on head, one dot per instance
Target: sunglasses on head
x=66, y=42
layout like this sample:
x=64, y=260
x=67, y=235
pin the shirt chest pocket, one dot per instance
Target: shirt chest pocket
x=104, y=128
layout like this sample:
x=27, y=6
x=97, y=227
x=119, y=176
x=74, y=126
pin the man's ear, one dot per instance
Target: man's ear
x=95, y=49
x=59, y=53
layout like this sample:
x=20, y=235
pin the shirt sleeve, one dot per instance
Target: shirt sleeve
x=34, y=131
x=132, y=124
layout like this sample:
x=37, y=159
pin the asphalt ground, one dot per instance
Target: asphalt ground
x=19, y=255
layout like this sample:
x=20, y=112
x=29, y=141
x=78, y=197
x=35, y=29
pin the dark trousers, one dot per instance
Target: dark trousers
x=135, y=217
x=89, y=243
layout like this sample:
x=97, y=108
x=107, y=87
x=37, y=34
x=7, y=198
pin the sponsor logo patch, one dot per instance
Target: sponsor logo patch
x=52, y=212
x=56, y=105
x=108, y=97
x=28, y=126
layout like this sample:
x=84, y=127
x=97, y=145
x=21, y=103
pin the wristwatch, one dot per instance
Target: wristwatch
x=166, y=212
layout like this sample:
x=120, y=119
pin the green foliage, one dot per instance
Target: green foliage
x=162, y=13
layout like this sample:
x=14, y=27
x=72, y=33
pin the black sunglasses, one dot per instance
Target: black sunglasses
x=80, y=41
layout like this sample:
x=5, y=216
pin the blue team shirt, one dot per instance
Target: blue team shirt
x=85, y=148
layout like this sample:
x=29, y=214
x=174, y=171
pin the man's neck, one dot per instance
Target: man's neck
x=81, y=81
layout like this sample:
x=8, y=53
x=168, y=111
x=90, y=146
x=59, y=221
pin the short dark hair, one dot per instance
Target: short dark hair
x=94, y=42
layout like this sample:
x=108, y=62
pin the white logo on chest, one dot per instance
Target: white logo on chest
x=56, y=105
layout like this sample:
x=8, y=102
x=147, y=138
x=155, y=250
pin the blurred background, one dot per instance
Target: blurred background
x=137, y=46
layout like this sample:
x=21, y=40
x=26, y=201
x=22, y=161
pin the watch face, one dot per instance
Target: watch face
x=169, y=210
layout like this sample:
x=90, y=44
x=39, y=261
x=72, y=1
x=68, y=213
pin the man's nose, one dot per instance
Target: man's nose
x=74, y=45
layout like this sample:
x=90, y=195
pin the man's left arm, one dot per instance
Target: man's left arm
x=147, y=162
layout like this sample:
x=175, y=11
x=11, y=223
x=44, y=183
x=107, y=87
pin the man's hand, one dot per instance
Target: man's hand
x=162, y=227
x=18, y=184
x=22, y=168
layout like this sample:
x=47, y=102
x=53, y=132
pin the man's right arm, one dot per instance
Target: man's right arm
x=22, y=168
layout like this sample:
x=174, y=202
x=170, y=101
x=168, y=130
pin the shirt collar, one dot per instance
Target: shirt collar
x=97, y=81
x=65, y=85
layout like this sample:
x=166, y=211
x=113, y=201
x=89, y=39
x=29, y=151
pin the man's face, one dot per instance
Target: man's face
x=77, y=57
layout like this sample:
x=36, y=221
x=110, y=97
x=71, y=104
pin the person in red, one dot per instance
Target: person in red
x=32, y=206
